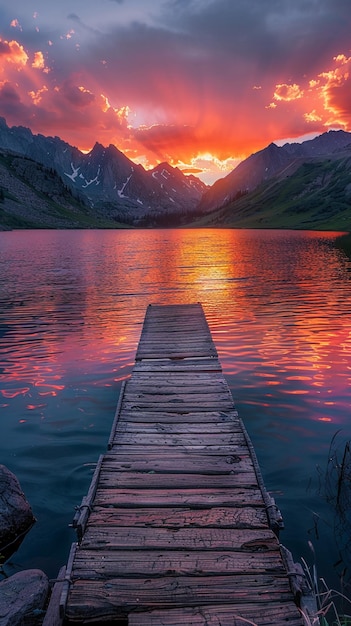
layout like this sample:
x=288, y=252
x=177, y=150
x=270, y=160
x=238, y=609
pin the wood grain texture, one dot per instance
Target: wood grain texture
x=177, y=530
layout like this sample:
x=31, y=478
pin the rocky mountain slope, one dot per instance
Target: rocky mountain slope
x=32, y=196
x=106, y=180
x=269, y=163
x=313, y=193
x=45, y=182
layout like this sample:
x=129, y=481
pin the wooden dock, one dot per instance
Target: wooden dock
x=177, y=527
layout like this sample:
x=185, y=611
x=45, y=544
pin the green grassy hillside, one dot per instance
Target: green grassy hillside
x=316, y=196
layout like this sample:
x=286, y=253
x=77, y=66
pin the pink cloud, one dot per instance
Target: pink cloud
x=75, y=95
x=182, y=82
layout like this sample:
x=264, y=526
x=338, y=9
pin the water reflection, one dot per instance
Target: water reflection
x=71, y=309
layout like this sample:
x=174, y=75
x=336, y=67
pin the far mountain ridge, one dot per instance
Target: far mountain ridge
x=312, y=193
x=326, y=143
x=296, y=185
x=268, y=163
x=107, y=180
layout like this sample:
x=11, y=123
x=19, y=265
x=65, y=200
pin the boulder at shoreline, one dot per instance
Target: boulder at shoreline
x=16, y=516
x=23, y=597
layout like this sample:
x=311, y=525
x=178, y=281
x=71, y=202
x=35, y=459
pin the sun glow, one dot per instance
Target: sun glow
x=152, y=119
x=209, y=167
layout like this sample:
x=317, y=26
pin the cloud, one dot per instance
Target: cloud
x=11, y=52
x=179, y=79
x=74, y=17
x=287, y=92
x=76, y=95
x=38, y=62
x=4, y=48
x=15, y=24
x=334, y=88
x=8, y=94
x=10, y=102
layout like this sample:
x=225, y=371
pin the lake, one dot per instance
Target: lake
x=278, y=303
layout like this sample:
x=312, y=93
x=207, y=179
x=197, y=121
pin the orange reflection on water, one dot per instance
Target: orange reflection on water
x=53, y=387
x=33, y=407
x=268, y=297
x=12, y=393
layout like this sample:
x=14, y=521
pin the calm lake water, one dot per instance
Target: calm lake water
x=278, y=303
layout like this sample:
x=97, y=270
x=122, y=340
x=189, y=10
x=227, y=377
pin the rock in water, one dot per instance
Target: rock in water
x=23, y=597
x=16, y=516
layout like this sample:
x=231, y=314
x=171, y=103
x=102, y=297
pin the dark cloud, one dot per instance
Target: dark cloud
x=197, y=75
x=11, y=106
x=79, y=97
x=4, y=47
x=9, y=95
x=79, y=22
x=223, y=45
x=268, y=34
x=74, y=17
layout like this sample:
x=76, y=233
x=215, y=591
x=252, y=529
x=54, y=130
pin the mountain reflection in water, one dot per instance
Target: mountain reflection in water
x=72, y=306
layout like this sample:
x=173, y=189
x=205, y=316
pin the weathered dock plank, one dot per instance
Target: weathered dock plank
x=97, y=538
x=131, y=593
x=181, y=517
x=176, y=526
x=195, y=366
x=190, y=464
x=182, y=428
x=236, y=496
x=196, y=420
x=262, y=614
x=143, y=563
x=110, y=478
x=180, y=439
x=210, y=449
x=52, y=616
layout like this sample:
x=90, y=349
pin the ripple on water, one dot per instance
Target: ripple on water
x=278, y=305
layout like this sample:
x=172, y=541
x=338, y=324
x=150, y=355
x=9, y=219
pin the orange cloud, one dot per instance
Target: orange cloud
x=335, y=91
x=179, y=82
x=325, y=100
x=38, y=62
x=12, y=52
x=37, y=95
x=312, y=116
x=287, y=92
x=121, y=113
x=162, y=112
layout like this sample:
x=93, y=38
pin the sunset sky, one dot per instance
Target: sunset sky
x=201, y=84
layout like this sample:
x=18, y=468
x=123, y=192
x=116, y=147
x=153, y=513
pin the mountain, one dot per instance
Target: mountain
x=45, y=182
x=269, y=163
x=33, y=196
x=313, y=194
x=107, y=181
